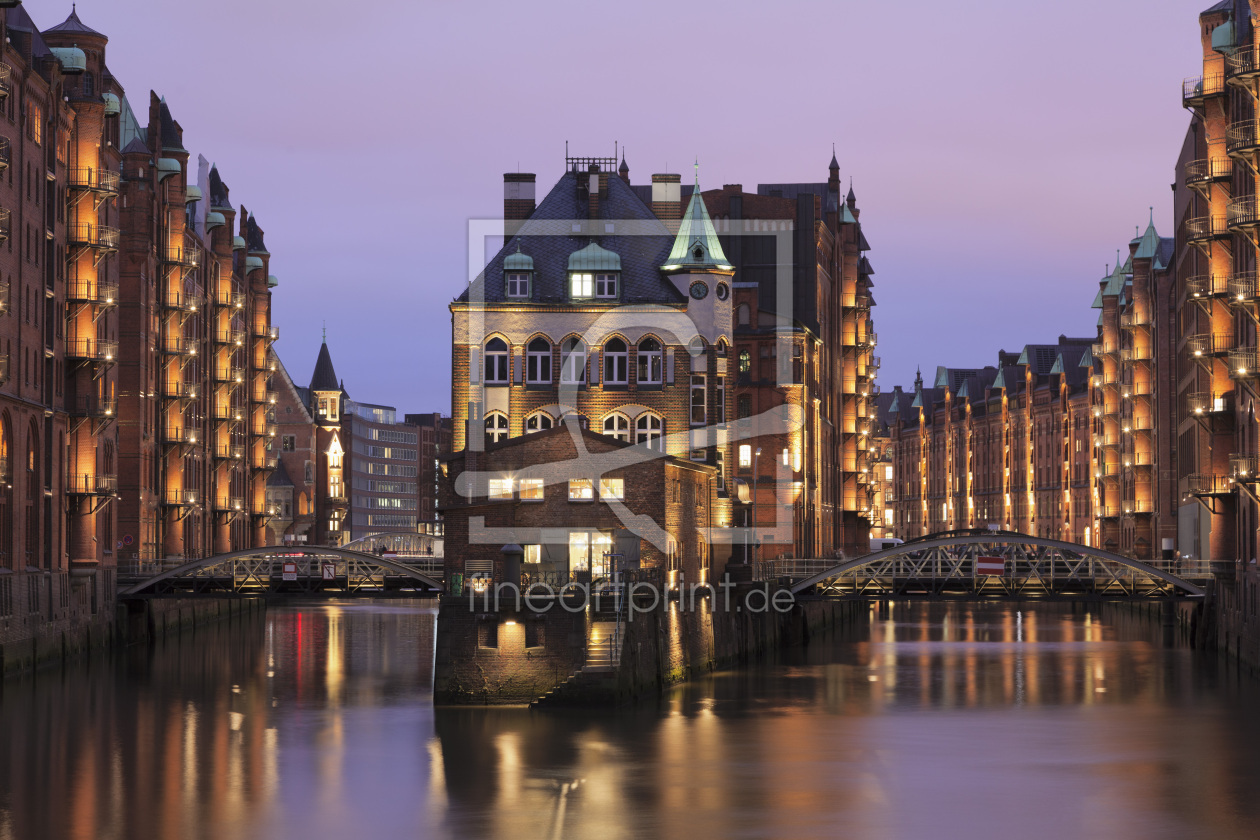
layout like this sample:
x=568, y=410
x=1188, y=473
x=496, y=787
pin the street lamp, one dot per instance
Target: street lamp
x=756, y=547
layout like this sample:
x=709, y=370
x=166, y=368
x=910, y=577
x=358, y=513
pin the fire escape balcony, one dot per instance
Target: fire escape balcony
x=178, y=345
x=1198, y=89
x=1131, y=318
x=263, y=429
x=229, y=300
x=264, y=394
x=264, y=460
x=263, y=508
x=228, y=374
x=229, y=504
x=1107, y=441
x=1207, y=171
x=5, y=216
x=267, y=332
x=178, y=389
x=1109, y=512
x=5, y=73
x=179, y=302
x=1242, y=215
x=100, y=292
x=1137, y=425
x=178, y=434
x=1243, y=364
x=1206, y=228
x=234, y=338
x=92, y=349
x=4, y=153
x=1242, y=67
x=229, y=452
x=337, y=498
x=226, y=411
x=99, y=237
x=1243, y=288
x=1137, y=353
x=4, y=368
x=1242, y=138
x=89, y=484
x=1209, y=346
x=103, y=182
x=1205, y=403
x=1136, y=506
x=186, y=254
x=180, y=498
x=1244, y=468
x=92, y=406
x=1208, y=484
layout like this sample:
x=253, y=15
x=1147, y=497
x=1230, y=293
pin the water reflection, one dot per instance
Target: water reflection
x=937, y=721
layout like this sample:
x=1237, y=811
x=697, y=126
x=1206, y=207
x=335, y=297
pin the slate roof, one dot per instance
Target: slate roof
x=170, y=135
x=218, y=190
x=325, y=376
x=1164, y=253
x=136, y=146
x=254, y=237
x=280, y=477
x=18, y=20
x=73, y=24
x=548, y=237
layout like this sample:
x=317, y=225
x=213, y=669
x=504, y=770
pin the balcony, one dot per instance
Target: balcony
x=267, y=332
x=88, y=484
x=1132, y=318
x=228, y=374
x=263, y=395
x=1206, y=346
x=179, y=434
x=227, y=411
x=1109, y=512
x=178, y=345
x=100, y=292
x=337, y=498
x=180, y=498
x=265, y=461
x=4, y=153
x=1242, y=287
x=91, y=349
x=1244, y=468
x=179, y=390
x=1242, y=138
x=1206, y=228
x=264, y=430
x=1243, y=364
x=4, y=223
x=100, y=237
x=1208, y=171
x=1137, y=353
x=1205, y=403
x=187, y=254
x=5, y=72
x=1198, y=89
x=102, y=181
x=179, y=302
x=235, y=338
x=4, y=297
x=229, y=504
x=1241, y=213
x=1206, y=484
x=1241, y=67
x=1110, y=469
x=264, y=508
x=1137, y=506
x=100, y=408
x=229, y=300
x=1107, y=441
x=229, y=452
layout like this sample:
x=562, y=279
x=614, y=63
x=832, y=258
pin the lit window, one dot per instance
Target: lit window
x=649, y=362
x=533, y=553
x=573, y=362
x=497, y=361
x=612, y=488
x=579, y=551
x=616, y=362
x=531, y=489
x=580, y=490
x=617, y=426
x=671, y=555
x=538, y=422
x=745, y=361
x=745, y=456
x=698, y=407
x=649, y=432
x=538, y=362
x=496, y=427
x=581, y=285
x=500, y=488
x=606, y=285
x=888, y=473
x=518, y=285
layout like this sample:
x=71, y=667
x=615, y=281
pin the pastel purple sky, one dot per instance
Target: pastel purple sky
x=1001, y=152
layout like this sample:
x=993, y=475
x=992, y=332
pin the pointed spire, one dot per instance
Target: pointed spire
x=325, y=376
x=696, y=245
x=835, y=164
x=851, y=199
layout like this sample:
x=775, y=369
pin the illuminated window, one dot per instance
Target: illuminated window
x=745, y=361
x=517, y=285
x=496, y=361
x=606, y=285
x=617, y=426
x=579, y=551
x=745, y=456
x=888, y=473
x=671, y=555
x=616, y=362
x=649, y=431
x=538, y=362
x=573, y=362
x=500, y=488
x=649, y=362
x=581, y=286
x=531, y=489
x=496, y=427
x=612, y=488
x=581, y=490
x=538, y=422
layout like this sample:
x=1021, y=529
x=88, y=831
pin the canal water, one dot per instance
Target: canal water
x=937, y=721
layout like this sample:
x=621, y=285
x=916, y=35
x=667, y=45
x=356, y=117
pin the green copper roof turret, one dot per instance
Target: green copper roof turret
x=696, y=246
x=1150, y=241
x=590, y=258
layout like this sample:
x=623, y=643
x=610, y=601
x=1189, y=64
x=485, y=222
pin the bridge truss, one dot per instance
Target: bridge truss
x=296, y=571
x=1031, y=567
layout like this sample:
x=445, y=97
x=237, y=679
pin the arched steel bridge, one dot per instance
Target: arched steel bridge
x=306, y=570
x=1031, y=567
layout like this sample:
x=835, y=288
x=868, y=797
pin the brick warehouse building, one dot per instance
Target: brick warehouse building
x=535, y=350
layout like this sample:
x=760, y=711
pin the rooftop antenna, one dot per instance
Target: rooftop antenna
x=325, y=332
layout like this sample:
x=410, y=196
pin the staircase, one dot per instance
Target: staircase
x=597, y=679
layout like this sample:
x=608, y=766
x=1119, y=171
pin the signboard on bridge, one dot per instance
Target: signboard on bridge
x=330, y=571
x=290, y=571
x=993, y=566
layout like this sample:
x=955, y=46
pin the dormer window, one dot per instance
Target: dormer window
x=606, y=286
x=517, y=285
x=581, y=286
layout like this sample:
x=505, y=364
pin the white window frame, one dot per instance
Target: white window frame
x=516, y=285
x=531, y=490
x=648, y=434
x=496, y=431
x=537, y=362
x=699, y=403
x=613, y=489
x=607, y=286
x=745, y=456
x=621, y=427
x=573, y=362
x=616, y=363
x=539, y=421
x=649, y=366
x=500, y=489
x=581, y=490
x=581, y=285
x=496, y=363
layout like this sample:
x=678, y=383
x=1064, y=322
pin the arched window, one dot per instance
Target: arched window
x=572, y=362
x=649, y=362
x=617, y=426
x=745, y=361
x=496, y=361
x=649, y=431
x=538, y=421
x=721, y=347
x=496, y=427
x=538, y=362
x=616, y=362
x=742, y=315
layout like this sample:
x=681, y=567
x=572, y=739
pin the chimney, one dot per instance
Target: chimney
x=595, y=181
x=518, y=200
x=667, y=197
